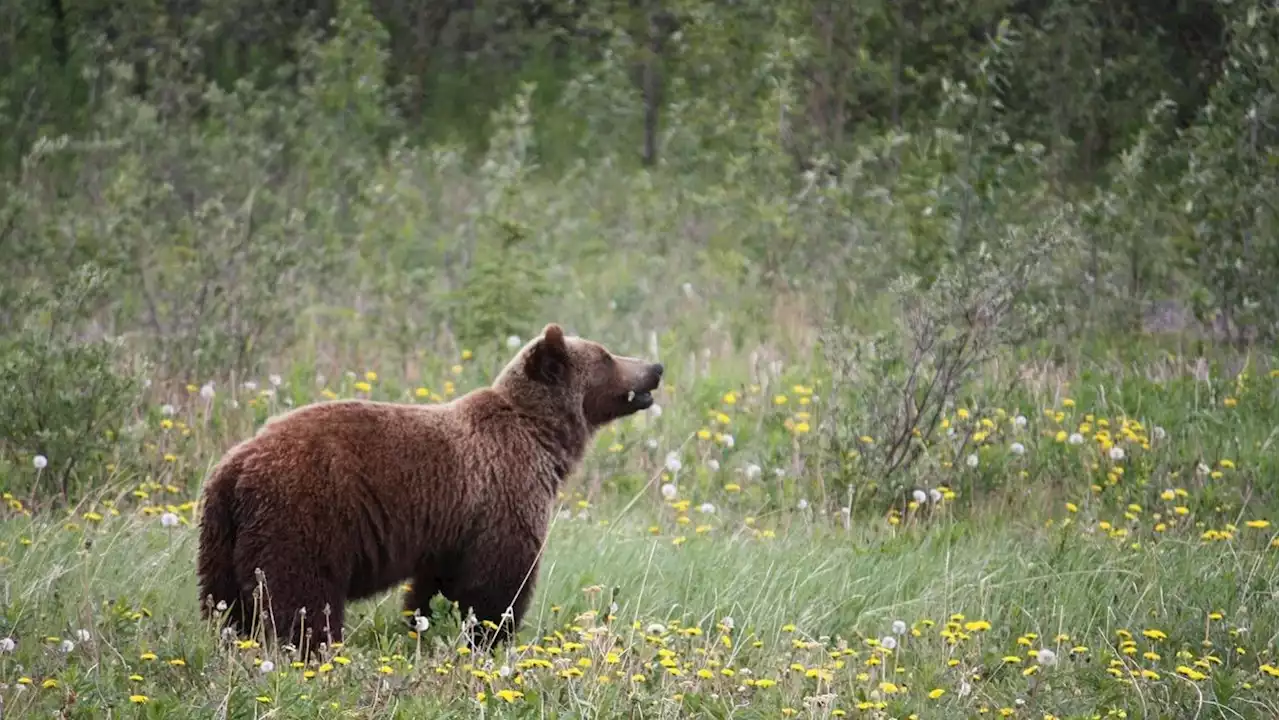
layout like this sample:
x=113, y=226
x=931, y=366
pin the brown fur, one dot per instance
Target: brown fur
x=341, y=500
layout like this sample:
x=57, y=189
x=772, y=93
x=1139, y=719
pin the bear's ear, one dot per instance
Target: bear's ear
x=549, y=358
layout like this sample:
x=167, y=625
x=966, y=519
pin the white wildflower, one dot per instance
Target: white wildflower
x=7, y=645
x=707, y=508
x=713, y=465
x=1017, y=448
x=1117, y=453
x=67, y=646
x=266, y=667
x=728, y=440
x=250, y=385
x=275, y=380
x=1076, y=439
x=1158, y=433
x=965, y=688
x=780, y=472
x=673, y=462
x=221, y=606
x=655, y=629
x=166, y=410
x=206, y=391
x=513, y=341
x=82, y=635
x=421, y=624
x=889, y=642
x=727, y=621
x=505, y=670
x=1020, y=421
x=753, y=471
x=803, y=504
x=919, y=496
x=655, y=410
x=40, y=461
x=1045, y=656
x=899, y=627
x=169, y=520
x=935, y=494
x=669, y=491
x=651, y=443
x=972, y=460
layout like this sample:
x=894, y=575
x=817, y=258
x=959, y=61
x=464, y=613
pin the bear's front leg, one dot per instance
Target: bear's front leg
x=497, y=588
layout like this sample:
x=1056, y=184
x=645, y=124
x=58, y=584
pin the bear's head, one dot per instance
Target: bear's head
x=566, y=373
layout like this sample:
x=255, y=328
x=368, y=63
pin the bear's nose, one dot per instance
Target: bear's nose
x=657, y=369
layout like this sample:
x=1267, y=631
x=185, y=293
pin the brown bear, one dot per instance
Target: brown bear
x=341, y=500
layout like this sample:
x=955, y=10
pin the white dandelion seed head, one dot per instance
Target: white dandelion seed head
x=1202, y=469
x=780, y=472
x=40, y=462
x=965, y=688
x=169, y=520
x=727, y=621
x=655, y=410
x=845, y=511
x=250, y=385
x=66, y=646
x=1017, y=449
x=504, y=671
x=651, y=443
x=935, y=494
x=803, y=504
x=753, y=471
x=266, y=667
x=1076, y=439
x=707, y=508
x=728, y=440
x=972, y=460
x=7, y=645
x=669, y=491
x=1019, y=702
x=82, y=635
x=889, y=642
x=421, y=624
x=1045, y=656
x=221, y=606
x=1020, y=421
x=206, y=391
x=655, y=629
x=513, y=341
x=899, y=627
x=673, y=462
x=1116, y=453
x=713, y=465
x=166, y=410
x=1158, y=433
x=919, y=496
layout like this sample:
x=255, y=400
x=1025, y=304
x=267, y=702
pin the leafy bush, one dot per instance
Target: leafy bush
x=65, y=389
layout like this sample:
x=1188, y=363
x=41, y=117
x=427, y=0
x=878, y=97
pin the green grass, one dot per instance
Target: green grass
x=1154, y=554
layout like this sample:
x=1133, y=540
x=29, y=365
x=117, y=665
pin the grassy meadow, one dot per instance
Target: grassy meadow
x=968, y=314
x=1084, y=549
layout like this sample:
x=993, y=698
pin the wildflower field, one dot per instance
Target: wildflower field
x=968, y=315
x=1087, y=548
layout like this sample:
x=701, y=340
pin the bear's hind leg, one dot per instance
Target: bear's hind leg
x=300, y=606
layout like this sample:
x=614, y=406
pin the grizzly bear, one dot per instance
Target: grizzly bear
x=340, y=500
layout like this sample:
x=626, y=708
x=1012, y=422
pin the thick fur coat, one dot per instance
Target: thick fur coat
x=341, y=500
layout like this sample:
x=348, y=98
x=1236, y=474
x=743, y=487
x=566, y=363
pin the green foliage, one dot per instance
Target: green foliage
x=65, y=389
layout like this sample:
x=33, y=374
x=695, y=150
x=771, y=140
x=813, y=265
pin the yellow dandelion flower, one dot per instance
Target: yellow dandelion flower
x=1257, y=524
x=138, y=699
x=779, y=399
x=363, y=386
x=936, y=693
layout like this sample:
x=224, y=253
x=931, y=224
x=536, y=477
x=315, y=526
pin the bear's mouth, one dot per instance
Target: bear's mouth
x=641, y=400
